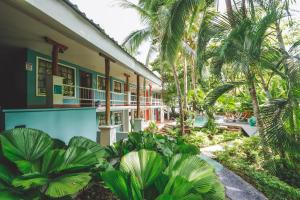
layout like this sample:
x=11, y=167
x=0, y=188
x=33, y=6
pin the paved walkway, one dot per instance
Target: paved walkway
x=235, y=187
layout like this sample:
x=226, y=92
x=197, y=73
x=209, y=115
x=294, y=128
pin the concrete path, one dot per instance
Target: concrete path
x=235, y=187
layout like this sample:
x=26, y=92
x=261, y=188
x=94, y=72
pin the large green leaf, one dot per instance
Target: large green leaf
x=164, y=197
x=122, y=184
x=25, y=146
x=117, y=182
x=8, y=195
x=77, y=157
x=30, y=181
x=5, y=174
x=194, y=170
x=180, y=188
x=74, y=158
x=68, y=184
x=52, y=161
x=90, y=145
x=145, y=165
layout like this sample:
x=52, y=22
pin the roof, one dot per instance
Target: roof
x=98, y=27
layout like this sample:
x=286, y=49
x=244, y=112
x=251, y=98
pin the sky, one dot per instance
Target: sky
x=119, y=22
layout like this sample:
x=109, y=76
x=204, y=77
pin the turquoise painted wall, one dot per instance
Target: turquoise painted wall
x=63, y=123
x=32, y=99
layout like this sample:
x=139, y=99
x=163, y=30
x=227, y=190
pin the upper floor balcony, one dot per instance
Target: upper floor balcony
x=90, y=97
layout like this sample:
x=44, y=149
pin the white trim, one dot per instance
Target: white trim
x=36, y=77
x=113, y=88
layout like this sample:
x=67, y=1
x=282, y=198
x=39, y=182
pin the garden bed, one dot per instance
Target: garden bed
x=202, y=137
x=245, y=158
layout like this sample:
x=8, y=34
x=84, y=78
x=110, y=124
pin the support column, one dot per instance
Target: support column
x=107, y=92
x=162, y=115
x=126, y=89
x=138, y=103
x=108, y=133
x=126, y=120
x=138, y=122
x=55, y=78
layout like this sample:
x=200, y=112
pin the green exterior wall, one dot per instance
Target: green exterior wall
x=63, y=123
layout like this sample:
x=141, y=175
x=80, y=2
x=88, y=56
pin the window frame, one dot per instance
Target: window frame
x=98, y=81
x=121, y=117
x=115, y=81
x=59, y=63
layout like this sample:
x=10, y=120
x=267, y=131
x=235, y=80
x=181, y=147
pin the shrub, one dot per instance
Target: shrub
x=273, y=187
x=143, y=174
x=246, y=159
x=36, y=166
x=165, y=145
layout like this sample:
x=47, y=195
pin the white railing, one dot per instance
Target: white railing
x=156, y=102
x=94, y=97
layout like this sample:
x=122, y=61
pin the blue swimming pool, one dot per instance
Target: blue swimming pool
x=200, y=121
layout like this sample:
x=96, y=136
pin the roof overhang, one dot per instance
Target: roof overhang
x=64, y=18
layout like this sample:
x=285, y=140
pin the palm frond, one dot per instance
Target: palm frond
x=213, y=95
x=175, y=27
x=134, y=40
x=144, y=14
x=275, y=132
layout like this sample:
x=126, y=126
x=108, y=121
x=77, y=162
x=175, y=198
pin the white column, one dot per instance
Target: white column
x=108, y=135
x=152, y=114
x=126, y=120
x=162, y=114
x=139, y=125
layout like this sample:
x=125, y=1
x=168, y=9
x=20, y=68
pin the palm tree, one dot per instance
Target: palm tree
x=156, y=14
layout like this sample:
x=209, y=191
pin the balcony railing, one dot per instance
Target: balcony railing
x=94, y=97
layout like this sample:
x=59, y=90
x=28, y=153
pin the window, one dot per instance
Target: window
x=68, y=81
x=101, y=119
x=117, y=86
x=100, y=83
x=117, y=118
x=44, y=68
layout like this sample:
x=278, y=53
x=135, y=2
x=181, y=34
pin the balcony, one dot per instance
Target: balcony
x=89, y=97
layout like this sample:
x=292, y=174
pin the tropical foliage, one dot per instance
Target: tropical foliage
x=144, y=174
x=146, y=166
x=34, y=166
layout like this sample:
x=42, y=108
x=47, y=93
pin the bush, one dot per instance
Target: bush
x=246, y=159
x=34, y=166
x=144, y=174
x=273, y=187
x=165, y=145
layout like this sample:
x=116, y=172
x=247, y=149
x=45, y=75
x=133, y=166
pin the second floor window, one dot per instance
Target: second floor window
x=117, y=86
x=100, y=83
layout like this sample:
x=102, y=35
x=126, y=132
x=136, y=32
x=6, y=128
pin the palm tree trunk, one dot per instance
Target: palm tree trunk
x=265, y=87
x=193, y=83
x=181, y=113
x=185, y=82
x=244, y=8
x=255, y=104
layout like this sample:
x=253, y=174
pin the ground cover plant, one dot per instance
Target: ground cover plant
x=146, y=166
x=203, y=137
x=246, y=158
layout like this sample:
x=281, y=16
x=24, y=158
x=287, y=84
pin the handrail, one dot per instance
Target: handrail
x=94, y=97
